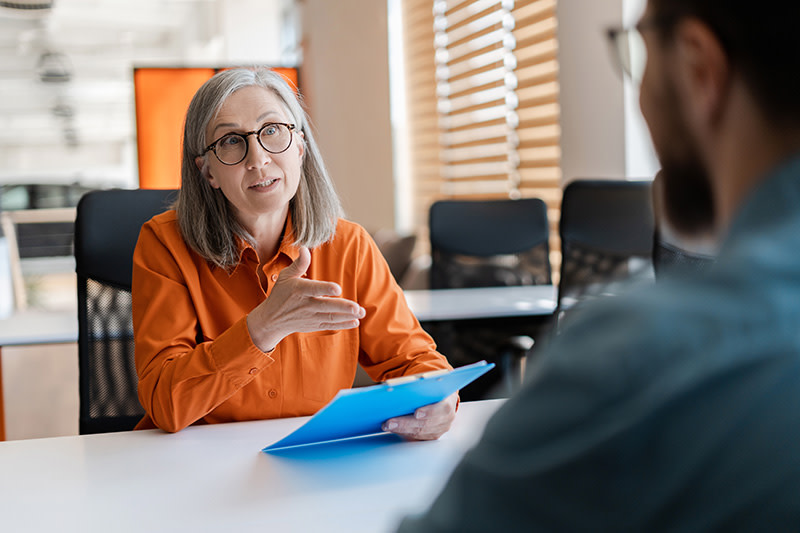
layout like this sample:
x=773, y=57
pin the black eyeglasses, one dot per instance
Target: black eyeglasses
x=628, y=48
x=231, y=148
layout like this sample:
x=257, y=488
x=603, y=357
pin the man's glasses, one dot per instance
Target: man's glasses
x=231, y=148
x=627, y=47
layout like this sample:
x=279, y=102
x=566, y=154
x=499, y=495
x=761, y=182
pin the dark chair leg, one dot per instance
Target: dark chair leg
x=512, y=362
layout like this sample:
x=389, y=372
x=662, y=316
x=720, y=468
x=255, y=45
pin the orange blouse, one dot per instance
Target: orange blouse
x=197, y=363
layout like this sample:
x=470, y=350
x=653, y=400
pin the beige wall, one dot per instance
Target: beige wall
x=345, y=80
x=592, y=102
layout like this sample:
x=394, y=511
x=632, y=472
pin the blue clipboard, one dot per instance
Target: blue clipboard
x=360, y=412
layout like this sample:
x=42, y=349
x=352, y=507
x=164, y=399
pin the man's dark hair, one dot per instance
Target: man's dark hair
x=762, y=42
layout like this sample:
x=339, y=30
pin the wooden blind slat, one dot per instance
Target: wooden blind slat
x=470, y=86
x=545, y=131
x=490, y=61
x=473, y=49
x=499, y=168
x=470, y=15
x=474, y=102
x=537, y=92
x=538, y=53
x=538, y=5
x=494, y=115
x=477, y=30
x=496, y=151
x=542, y=173
x=537, y=73
x=486, y=134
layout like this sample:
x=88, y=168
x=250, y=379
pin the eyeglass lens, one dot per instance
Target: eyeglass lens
x=274, y=138
x=632, y=53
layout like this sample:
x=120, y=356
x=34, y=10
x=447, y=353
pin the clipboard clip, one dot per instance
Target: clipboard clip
x=393, y=382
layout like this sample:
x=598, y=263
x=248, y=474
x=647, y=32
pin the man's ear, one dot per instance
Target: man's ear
x=704, y=72
x=200, y=161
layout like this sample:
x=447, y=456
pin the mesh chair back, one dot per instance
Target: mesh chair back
x=606, y=233
x=106, y=230
x=489, y=243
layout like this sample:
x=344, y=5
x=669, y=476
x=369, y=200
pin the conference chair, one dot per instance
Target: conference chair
x=489, y=243
x=606, y=231
x=106, y=230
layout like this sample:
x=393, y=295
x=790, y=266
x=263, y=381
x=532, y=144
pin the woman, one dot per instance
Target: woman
x=253, y=299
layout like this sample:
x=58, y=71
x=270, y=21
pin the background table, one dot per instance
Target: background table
x=215, y=478
x=461, y=321
x=34, y=327
x=481, y=303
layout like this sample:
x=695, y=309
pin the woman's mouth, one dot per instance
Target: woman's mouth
x=264, y=184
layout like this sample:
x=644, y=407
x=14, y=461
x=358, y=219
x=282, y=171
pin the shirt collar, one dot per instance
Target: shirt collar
x=776, y=198
x=287, y=246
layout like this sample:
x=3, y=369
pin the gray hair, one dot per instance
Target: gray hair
x=205, y=217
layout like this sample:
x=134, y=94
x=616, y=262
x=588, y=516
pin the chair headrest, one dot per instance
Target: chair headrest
x=107, y=227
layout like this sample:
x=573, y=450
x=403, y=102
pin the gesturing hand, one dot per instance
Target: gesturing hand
x=297, y=304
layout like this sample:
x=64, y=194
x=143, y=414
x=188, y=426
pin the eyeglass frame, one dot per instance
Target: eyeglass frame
x=615, y=32
x=244, y=136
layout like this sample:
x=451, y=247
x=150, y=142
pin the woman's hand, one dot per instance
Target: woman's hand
x=297, y=304
x=427, y=423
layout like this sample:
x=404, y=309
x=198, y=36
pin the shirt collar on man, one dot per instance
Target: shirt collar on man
x=771, y=201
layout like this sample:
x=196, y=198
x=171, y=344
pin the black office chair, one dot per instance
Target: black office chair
x=606, y=233
x=106, y=230
x=489, y=243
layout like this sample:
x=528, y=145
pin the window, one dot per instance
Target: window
x=482, y=102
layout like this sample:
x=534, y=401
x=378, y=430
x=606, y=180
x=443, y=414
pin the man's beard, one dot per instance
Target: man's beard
x=687, y=201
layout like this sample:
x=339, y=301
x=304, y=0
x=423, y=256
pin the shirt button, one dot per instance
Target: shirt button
x=253, y=371
x=273, y=393
x=274, y=277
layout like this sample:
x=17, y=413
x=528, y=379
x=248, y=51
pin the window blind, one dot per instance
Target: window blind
x=482, y=102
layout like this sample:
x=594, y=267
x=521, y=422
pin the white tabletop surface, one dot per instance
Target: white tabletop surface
x=488, y=302
x=39, y=327
x=215, y=478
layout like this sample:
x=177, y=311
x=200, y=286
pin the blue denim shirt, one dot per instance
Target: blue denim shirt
x=674, y=408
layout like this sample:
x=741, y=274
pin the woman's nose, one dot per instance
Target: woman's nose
x=256, y=154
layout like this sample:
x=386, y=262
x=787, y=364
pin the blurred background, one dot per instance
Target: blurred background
x=412, y=101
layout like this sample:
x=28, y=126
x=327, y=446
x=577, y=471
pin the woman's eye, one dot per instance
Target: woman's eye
x=230, y=140
x=272, y=129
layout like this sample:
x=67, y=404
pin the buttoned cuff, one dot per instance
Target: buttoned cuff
x=236, y=356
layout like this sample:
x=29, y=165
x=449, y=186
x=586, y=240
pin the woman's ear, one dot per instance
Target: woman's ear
x=301, y=145
x=200, y=161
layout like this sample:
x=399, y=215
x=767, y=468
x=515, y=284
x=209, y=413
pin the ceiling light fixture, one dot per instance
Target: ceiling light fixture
x=53, y=67
x=27, y=5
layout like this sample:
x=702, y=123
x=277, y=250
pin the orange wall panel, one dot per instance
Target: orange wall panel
x=162, y=96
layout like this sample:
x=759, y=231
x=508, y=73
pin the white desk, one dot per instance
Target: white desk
x=489, y=302
x=34, y=327
x=39, y=327
x=215, y=478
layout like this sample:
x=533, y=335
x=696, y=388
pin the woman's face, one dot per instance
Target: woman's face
x=260, y=187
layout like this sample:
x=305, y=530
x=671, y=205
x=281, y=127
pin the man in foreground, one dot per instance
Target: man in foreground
x=677, y=407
